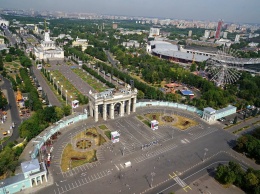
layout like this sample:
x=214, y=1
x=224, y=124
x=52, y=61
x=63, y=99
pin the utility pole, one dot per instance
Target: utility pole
x=152, y=174
x=206, y=149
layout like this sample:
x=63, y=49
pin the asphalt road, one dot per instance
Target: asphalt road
x=10, y=37
x=13, y=110
x=110, y=59
x=73, y=78
x=180, y=152
x=53, y=100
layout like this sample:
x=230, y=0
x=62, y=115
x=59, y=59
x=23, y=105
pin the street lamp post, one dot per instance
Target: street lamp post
x=152, y=174
x=206, y=149
x=71, y=105
x=123, y=151
x=57, y=84
x=61, y=90
x=54, y=80
x=51, y=77
x=66, y=97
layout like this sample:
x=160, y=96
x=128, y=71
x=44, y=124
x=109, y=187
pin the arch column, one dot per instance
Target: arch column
x=96, y=113
x=46, y=179
x=112, y=111
x=134, y=102
x=105, y=112
x=128, y=107
x=122, y=109
x=91, y=110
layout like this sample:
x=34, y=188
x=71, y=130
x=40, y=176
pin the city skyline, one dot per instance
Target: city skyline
x=237, y=11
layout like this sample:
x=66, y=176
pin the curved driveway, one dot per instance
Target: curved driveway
x=178, y=151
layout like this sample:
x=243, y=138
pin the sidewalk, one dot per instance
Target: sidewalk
x=246, y=123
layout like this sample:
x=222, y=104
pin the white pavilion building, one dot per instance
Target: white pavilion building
x=48, y=49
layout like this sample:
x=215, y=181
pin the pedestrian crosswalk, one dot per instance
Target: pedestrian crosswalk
x=84, y=179
x=151, y=154
x=202, y=133
x=80, y=169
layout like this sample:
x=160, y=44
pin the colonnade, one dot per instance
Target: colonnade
x=129, y=103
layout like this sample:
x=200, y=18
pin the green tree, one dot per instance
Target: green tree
x=140, y=94
x=193, y=67
x=59, y=112
x=1, y=63
x=8, y=58
x=235, y=120
x=251, y=180
x=66, y=110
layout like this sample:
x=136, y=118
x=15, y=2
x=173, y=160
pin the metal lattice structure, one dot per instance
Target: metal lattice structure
x=222, y=69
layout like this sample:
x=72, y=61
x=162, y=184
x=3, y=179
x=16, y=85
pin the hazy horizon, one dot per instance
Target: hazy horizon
x=238, y=11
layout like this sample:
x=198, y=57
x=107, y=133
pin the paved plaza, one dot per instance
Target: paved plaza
x=154, y=155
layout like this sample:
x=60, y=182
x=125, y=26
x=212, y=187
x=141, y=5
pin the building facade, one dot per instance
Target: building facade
x=218, y=30
x=154, y=32
x=48, y=49
x=211, y=115
x=80, y=42
x=33, y=173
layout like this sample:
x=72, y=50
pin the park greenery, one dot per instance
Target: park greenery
x=147, y=72
x=250, y=145
x=232, y=173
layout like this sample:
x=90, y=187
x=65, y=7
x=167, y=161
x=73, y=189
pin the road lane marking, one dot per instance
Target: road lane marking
x=187, y=187
x=117, y=167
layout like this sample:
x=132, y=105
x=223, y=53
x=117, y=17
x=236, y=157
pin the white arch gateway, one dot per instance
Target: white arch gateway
x=114, y=100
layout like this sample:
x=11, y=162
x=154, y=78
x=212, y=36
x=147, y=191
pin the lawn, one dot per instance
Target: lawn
x=72, y=91
x=108, y=134
x=99, y=139
x=69, y=152
x=140, y=117
x=98, y=86
x=179, y=122
x=103, y=127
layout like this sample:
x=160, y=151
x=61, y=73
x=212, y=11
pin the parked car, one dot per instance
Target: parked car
x=5, y=133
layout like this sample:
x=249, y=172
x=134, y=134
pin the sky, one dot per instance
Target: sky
x=238, y=11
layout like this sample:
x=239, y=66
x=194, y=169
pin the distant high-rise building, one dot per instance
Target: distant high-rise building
x=225, y=34
x=212, y=33
x=154, y=32
x=207, y=33
x=114, y=26
x=190, y=33
x=218, y=30
x=237, y=38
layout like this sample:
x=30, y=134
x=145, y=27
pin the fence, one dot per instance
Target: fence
x=172, y=105
x=61, y=124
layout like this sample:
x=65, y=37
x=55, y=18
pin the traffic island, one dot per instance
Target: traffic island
x=176, y=121
x=82, y=149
